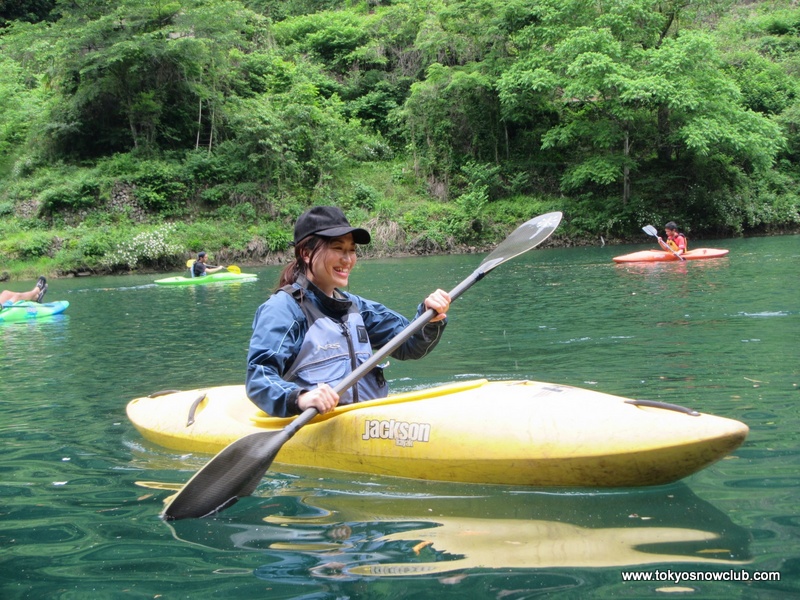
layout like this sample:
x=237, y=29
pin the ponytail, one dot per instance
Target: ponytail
x=309, y=246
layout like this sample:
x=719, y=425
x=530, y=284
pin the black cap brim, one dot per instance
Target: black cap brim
x=360, y=236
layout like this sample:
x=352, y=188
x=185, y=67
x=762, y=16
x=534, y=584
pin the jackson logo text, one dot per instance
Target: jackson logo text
x=402, y=432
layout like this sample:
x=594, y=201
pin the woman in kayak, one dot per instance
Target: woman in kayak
x=676, y=241
x=36, y=294
x=309, y=335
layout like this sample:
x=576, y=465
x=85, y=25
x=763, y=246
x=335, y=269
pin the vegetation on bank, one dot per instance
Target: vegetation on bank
x=134, y=132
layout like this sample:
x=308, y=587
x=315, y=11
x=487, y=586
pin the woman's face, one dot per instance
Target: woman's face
x=332, y=264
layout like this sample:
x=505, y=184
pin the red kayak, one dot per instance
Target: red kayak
x=664, y=256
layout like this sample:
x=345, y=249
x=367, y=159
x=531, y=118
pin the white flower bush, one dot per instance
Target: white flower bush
x=147, y=246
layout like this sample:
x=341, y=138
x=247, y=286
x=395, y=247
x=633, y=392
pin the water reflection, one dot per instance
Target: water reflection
x=333, y=534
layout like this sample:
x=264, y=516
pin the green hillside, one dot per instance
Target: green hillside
x=134, y=132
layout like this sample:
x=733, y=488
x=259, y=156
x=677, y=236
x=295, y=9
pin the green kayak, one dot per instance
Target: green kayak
x=25, y=310
x=218, y=277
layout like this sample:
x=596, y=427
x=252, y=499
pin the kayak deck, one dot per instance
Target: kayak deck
x=664, y=256
x=515, y=433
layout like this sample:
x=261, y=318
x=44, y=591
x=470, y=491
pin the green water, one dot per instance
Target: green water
x=720, y=336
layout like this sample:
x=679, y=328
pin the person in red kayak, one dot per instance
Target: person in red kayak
x=34, y=295
x=676, y=241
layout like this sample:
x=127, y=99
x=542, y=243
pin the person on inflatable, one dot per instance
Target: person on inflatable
x=676, y=241
x=310, y=334
x=36, y=294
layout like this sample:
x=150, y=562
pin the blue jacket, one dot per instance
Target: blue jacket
x=280, y=326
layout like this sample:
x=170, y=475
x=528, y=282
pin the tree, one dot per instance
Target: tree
x=143, y=75
x=31, y=11
x=630, y=97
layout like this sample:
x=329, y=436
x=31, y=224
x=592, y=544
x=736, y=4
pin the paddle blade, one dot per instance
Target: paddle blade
x=234, y=269
x=650, y=230
x=525, y=237
x=232, y=474
x=190, y=263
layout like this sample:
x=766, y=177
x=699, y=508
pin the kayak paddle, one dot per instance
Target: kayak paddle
x=239, y=467
x=650, y=230
x=231, y=268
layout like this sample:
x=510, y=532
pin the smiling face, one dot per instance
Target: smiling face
x=331, y=266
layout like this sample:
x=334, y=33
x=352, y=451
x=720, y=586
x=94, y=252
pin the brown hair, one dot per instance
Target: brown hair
x=308, y=246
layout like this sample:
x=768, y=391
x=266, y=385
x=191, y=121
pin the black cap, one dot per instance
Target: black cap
x=327, y=221
x=201, y=254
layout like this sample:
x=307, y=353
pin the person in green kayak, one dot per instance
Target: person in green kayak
x=676, y=241
x=200, y=268
x=310, y=334
x=34, y=295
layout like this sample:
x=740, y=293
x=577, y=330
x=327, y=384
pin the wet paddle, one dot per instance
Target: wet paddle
x=650, y=230
x=238, y=468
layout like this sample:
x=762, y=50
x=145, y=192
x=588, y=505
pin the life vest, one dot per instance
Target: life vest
x=332, y=349
x=675, y=246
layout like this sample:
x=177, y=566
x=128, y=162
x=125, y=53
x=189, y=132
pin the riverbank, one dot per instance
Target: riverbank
x=26, y=271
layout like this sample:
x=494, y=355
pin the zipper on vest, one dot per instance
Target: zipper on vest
x=353, y=361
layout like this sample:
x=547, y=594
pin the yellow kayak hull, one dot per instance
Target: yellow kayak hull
x=504, y=432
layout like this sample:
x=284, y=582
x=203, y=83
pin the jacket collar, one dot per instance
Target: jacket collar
x=339, y=304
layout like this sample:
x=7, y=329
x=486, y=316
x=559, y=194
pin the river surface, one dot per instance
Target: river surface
x=81, y=491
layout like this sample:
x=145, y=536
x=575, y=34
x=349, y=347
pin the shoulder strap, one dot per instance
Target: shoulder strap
x=296, y=293
x=309, y=310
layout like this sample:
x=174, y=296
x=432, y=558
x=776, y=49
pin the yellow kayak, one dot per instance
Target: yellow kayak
x=501, y=432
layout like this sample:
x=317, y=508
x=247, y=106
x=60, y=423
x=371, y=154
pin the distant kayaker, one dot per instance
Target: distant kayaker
x=309, y=335
x=199, y=268
x=676, y=241
x=34, y=295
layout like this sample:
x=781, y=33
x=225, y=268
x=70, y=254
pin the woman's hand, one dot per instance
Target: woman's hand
x=323, y=398
x=440, y=302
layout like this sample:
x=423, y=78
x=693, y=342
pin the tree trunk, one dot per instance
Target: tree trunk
x=626, y=172
x=662, y=146
x=211, y=128
x=199, y=123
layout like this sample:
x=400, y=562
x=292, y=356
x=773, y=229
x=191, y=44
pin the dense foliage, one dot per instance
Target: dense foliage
x=438, y=123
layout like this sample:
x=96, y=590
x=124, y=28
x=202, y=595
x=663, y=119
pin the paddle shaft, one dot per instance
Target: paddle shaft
x=650, y=230
x=525, y=237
